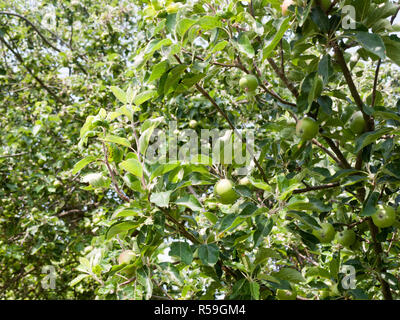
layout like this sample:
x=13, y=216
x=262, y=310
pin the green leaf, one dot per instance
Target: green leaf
x=372, y=42
x=125, y=213
x=120, y=227
x=161, y=199
x=255, y=290
x=209, y=22
x=392, y=45
x=220, y=46
x=133, y=166
x=86, y=126
x=342, y=174
x=263, y=254
x=146, y=132
x=183, y=251
x=119, y=94
x=155, y=45
x=162, y=169
x=264, y=227
x=289, y=274
x=386, y=115
x=82, y=163
x=244, y=46
x=209, y=254
x=325, y=68
x=158, y=70
x=320, y=19
x=283, y=27
x=370, y=137
x=260, y=184
x=118, y=140
x=369, y=207
x=189, y=201
x=144, y=96
x=183, y=25
x=78, y=279
x=334, y=266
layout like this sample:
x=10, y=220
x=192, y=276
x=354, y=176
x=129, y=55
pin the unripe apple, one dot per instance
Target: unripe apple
x=282, y=294
x=384, y=217
x=285, y=6
x=126, y=256
x=346, y=238
x=248, y=82
x=324, y=294
x=307, y=129
x=193, y=124
x=225, y=192
x=325, y=234
x=357, y=123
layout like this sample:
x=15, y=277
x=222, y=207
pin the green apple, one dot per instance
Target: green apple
x=248, y=82
x=346, y=238
x=307, y=128
x=126, y=257
x=193, y=124
x=282, y=294
x=357, y=123
x=285, y=6
x=384, y=217
x=225, y=192
x=324, y=294
x=325, y=234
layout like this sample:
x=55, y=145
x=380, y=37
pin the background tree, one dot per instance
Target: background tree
x=157, y=230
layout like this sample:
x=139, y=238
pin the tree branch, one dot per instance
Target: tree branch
x=21, y=60
x=225, y=116
x=323, y=187
x=283, y=77
x=342, y=159
x=111, y=171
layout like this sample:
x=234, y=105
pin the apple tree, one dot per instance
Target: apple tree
x=321, y=193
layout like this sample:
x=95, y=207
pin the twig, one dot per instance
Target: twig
x=326, y=150
x=323, y=187
x=225, y=116
x=13, y=155
x=21, y=60
x=375, y=83
x=33, y=26
x=283, y=77
x=111, y=171
x=342, y=159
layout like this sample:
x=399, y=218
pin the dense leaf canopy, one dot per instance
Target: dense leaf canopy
x=96, y=94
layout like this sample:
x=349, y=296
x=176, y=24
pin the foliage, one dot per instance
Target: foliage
x=79, y=187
